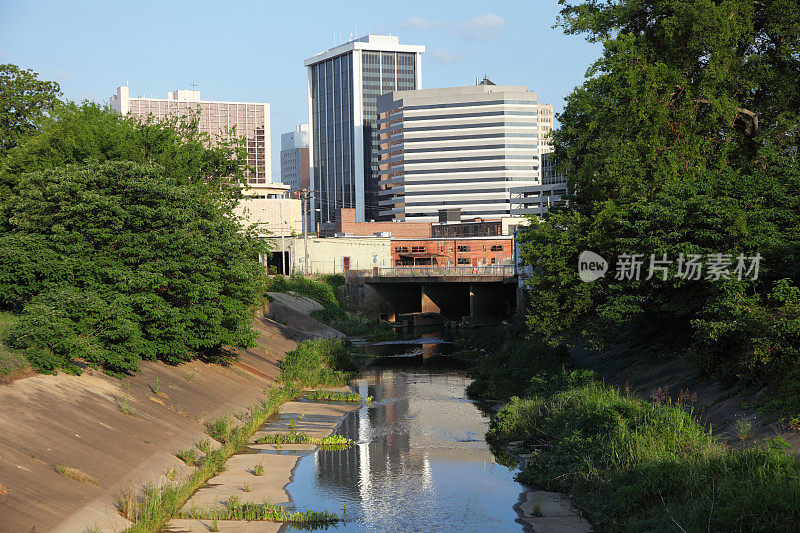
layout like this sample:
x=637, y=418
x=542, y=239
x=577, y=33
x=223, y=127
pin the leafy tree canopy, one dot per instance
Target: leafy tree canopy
x=117, y=262
x=24, y=100
x=683, y=139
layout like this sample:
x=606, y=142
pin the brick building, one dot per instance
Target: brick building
x=345, y=224
x=468, y=251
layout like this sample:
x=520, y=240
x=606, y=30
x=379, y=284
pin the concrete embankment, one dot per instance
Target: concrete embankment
x=116, y=434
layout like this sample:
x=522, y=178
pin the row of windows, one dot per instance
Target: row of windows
x=482, y=125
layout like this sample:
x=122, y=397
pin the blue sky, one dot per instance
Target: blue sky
x=254, y=51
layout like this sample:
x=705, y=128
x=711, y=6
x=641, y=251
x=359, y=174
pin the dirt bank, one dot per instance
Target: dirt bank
x=80, y=422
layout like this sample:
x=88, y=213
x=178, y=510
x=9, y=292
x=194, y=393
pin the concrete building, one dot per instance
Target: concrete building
x=451, y=225
x=338, y=255
x=459, y=147
x=343, y=86
x=294, y=158
x=536, y=199
x=345, y=224
x=248, y=119
x=466, y=251
x=270, y=208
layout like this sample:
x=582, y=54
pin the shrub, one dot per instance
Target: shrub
x=316, y=290
x=322, y=362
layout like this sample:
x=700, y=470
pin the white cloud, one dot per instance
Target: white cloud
x=63, y=74
x=440, y=55
x=417, y=23
x=482, y=27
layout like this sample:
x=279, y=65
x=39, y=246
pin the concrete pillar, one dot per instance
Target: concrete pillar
x=428, y=299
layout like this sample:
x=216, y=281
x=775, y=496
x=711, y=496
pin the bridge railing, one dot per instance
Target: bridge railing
x=505, y=271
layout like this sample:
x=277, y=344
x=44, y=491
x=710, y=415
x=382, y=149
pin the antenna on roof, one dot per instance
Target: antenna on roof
x=194, y=86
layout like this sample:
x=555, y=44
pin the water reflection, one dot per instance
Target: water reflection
x=420, y=462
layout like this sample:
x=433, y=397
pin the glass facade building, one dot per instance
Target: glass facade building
x=344, y=84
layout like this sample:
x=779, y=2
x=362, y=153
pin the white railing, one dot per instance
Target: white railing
x=505, y=271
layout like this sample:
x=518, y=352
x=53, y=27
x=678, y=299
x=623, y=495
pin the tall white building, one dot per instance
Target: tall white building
x=536, y=199
x=343, y=86
x=294, y=158
x=248, y=119
x=459, y=147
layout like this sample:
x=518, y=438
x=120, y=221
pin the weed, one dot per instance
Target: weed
x=235, y=510
x=128, y=504
x=126, y=408
x=188, y=456
x=220, y=429
x=156, y=388
x=537, y=509
x=239, y=416
x=321, y=362
x=191, y=375
x=214, y=525
x=4, y=490
x=258, y=469
x=74, y=473
x=743, y=428
x=331, y=396
x=204, y=446
x=295, y=437
x=246, y=487
x=170, y=473
x=92, y=529
x=293, y=424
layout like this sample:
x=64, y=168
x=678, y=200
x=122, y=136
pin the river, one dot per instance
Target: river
x=420, y=462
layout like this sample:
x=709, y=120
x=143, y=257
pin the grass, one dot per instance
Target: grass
x=331, y=396
x=74, y=473
x=235, y=510
x=321, y=291
x=296, y=437
x=258, y=469
x=743, y=428
x=220, y=429
x=321, y=362
x=246, y=487
x=170, y=473
x=204, y=446
x=160, y=503
x=156, y=388
x=188, y=456
x=214, y=525
x=191, y=376
x=351, y=324
x=125, y=407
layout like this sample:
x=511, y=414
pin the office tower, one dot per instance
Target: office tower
x=343, y=86
x=250, y=119
x=537, y=199
x=294, y=158
x=459, y=147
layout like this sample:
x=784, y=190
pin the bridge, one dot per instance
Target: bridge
x=470, y=295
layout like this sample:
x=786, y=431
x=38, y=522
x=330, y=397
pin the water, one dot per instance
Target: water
x=420, y=463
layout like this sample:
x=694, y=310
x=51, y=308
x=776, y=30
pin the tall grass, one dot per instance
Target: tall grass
x=633, y=465
x=320, y=291
x=321, y=362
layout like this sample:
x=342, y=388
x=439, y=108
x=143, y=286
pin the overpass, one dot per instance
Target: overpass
x=472, y=295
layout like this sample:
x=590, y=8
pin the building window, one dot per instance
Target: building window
x=463, y=248
x=401, y=249
x=494, y=260
x=497, y=247
x=417, y=249
x=463, y=260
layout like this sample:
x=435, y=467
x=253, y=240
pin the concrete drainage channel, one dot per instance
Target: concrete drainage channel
x=260, y=472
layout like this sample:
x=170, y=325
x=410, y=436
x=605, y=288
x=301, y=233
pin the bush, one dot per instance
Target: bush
x=117, y=262
x=351, y=324
x=316, y=290
x=323, y=362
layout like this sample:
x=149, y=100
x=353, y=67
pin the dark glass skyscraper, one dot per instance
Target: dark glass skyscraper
x=343, y=87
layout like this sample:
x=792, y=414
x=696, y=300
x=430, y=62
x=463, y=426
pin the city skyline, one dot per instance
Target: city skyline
x=104, y=47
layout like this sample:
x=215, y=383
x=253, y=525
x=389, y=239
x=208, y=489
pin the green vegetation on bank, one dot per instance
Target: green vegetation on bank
x=322, y=362
x=326, y=290
x=118, y=235
x=629, y=464
x=297, y=437
x=332, y=396
x=683, y=141
x=160, y=503
x=235, y=510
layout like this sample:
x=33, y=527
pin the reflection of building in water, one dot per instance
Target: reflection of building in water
x=382, y=455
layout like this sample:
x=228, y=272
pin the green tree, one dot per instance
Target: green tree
x=116, y=262
x=683, y=139
x=24, y=101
